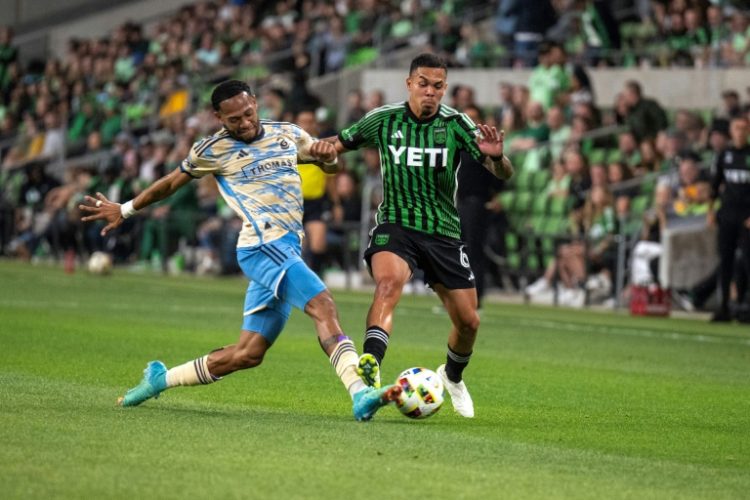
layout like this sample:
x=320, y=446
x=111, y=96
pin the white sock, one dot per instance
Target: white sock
x=191, y=373
x=344, y=359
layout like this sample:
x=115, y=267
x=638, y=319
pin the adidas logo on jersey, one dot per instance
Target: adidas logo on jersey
x=243, y=153
x=397, y=135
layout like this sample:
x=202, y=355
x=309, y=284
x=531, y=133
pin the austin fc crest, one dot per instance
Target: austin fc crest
x=440, y=135
x=382, y=239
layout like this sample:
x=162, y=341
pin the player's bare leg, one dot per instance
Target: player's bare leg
x=315, y=234
x=248, y=352
x=343, y=355
x=461, y=305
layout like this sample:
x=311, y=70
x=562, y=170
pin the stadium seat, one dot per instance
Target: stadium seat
x=523, y=202
x=525, y=180
x=541, y=178
x=559, y=206
x=638, y=205
x=506, y=200
x=539, y=205
x=512, y=242
x=613, y=155
x=597, y=155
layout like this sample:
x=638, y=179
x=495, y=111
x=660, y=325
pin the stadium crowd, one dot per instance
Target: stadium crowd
x=122, y=110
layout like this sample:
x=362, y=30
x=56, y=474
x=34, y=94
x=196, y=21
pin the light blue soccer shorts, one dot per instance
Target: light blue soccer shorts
x=279, y=279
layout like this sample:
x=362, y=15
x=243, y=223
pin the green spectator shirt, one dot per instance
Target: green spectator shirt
x=546, y=83
x=419, y=162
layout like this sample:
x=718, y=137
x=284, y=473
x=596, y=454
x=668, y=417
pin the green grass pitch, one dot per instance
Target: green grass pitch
x=570, y=404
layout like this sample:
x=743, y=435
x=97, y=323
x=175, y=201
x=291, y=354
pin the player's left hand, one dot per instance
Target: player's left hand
x=490, y=141
x=100, y=208
x=323, y=151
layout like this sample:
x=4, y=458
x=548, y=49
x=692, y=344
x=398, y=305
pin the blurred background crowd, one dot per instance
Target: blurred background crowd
x=117, y=112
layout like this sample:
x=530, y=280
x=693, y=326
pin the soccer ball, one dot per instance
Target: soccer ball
x=100, y=263
x=422, y=392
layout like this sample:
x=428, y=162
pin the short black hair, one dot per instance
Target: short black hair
x=228, y=89
x=635, y=87
x=427, y=60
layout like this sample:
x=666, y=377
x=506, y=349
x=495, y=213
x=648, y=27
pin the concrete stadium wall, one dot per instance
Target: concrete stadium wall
x=674, y=88
x=20, y=12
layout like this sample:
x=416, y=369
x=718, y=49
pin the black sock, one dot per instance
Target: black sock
x=455, y=364
x=376, y=342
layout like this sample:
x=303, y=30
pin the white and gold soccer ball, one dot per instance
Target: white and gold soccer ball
x=422, y=392
x=100, y=263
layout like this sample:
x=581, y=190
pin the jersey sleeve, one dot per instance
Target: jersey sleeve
x=362, y=133
x=467, y=134
x=201, y=160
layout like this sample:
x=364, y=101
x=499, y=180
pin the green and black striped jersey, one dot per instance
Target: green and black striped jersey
x=419, y=161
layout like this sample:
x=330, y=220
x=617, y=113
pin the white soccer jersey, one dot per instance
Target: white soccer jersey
x=259, y=179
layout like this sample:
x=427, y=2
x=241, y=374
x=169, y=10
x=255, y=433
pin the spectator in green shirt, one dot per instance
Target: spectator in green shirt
x=549, y=79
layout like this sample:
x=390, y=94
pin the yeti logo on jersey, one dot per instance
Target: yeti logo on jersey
x=440, y=135
x=382, y=239
x=419, y=157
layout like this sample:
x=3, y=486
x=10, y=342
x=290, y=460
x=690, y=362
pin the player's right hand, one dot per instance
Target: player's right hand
x=323, y=151
x=100, y=208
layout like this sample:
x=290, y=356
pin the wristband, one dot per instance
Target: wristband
x=327, y=167
x=127, y=209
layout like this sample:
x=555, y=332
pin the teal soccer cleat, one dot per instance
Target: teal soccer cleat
x=369, y=370
x=369, y=400
x=153, y=383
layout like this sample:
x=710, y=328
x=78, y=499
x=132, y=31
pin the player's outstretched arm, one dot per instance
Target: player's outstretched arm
x=100, y=208
x=491, y=144
x=334, y=140
x=325, y=156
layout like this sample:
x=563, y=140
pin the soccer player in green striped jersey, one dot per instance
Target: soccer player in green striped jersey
x=420, y=142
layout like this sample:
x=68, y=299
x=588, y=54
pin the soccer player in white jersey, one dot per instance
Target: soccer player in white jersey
x=255, y=165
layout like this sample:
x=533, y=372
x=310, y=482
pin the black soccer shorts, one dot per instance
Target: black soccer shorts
x=443, y=260
x=313, y=210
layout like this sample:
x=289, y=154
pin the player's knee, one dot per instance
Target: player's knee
x=469, y=324
x=321, y=306
x=247, y=358
x=388, y=288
